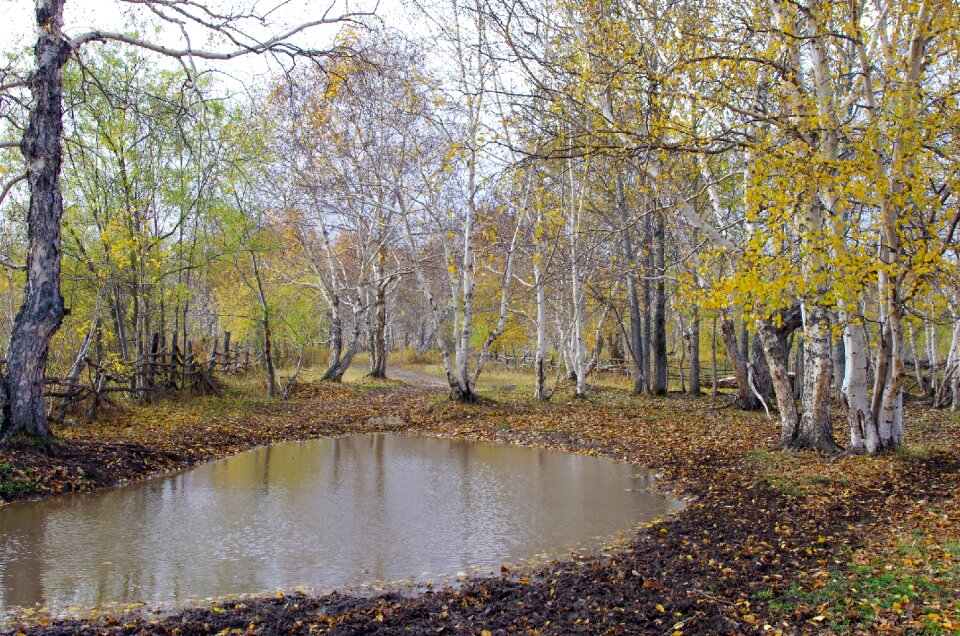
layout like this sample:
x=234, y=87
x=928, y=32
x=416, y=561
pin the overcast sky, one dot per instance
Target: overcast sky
x=81, y=16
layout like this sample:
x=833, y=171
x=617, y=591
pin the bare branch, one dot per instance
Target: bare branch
x=9, y=186
x=276, y=44
x=15, y=84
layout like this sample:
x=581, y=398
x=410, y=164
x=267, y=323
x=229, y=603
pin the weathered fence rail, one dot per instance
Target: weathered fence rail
x=676, y=372
x=160, y=371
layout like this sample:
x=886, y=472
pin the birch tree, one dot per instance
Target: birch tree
x=42, y=310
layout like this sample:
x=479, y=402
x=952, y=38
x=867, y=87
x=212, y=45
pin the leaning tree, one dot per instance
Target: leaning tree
x=42, y=309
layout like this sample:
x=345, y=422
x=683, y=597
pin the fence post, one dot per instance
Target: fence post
x=100, y=377
x=213, y=354
x=174, y=360
x=188, y=368
x=225, y=363
x=152, y=361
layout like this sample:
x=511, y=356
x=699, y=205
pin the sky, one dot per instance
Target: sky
x=81, y=16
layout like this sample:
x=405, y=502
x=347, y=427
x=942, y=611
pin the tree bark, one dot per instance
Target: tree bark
x=540, y=389
x=646, y=340
x=336, y=337
x=931, y=341
x=378, y=352
x=863, y=429
x=335, y=373
x=839, y=365
x=745, y=397
x=761, y=370
x=714, y=389
x=42, y=311
x=775, y=352
x=267, y=335
x=626, y=244
x=816, y=426
x=660, y=378
x=798, y=369
x=694, y=339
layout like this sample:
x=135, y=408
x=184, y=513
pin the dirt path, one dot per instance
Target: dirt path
x=415, y=378
x=771, y=543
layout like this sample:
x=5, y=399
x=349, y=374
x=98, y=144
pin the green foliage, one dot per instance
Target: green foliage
x=15, y=483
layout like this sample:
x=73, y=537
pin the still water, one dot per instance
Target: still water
x=330, y=512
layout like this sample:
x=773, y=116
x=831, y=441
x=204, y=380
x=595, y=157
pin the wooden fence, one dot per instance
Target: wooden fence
x=524, y=362
x=160, y=371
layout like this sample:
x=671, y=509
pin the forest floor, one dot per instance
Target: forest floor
x=770, y=542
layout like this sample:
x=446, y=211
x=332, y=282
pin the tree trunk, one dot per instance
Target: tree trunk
x=378, y=352
x=745, y=397
x=457, y=390
x=540, y=388
x=949, y=369
x=335, y=373
x=336, y=339
x=744, y=340
x=79, y=363
x=660, y=378
x=175, y=359
x=267, y=336
x=4, y=405
x=798, y=369
x=931, y=340
x=918, y=373
x=116, y=310
x=626, y=245
x=680, y=349
x=863, y=429
x=816, y=426
x=890, y=417
x=775, y=352
x=577, y=344
x=761, y=370
x=839, y=366
x=645, y=342
x=42, y=309
x=268, y=358
x=881, y=366
x=715, y=390
x=694, y=340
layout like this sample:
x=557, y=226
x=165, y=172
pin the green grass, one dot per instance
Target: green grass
x=791, y=484
x=856, y=597
x=13, y=482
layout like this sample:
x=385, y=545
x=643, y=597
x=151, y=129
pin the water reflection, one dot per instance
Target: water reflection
x=327, y=512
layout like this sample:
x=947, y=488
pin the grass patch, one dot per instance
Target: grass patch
x=17, y=482
x=912, y=584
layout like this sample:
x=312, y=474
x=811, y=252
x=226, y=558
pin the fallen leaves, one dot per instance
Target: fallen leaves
x=770, y=542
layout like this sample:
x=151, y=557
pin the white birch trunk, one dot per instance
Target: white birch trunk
x=930, y=334
x=863, y=428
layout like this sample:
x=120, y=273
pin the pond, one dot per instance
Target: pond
x=331, y=512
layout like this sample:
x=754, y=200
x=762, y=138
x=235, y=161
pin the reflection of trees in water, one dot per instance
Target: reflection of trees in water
x=20, y=566
x=329, y=512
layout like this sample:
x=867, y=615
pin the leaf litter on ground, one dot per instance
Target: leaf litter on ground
x=770, y=542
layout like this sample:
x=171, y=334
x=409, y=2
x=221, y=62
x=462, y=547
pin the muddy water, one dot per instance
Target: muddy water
x=329, y=512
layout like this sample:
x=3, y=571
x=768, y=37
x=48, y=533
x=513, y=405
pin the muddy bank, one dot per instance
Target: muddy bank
x=758, y=550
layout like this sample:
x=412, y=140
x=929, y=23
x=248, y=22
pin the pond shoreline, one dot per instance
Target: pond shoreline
x=319, y=516
x=758, y=528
